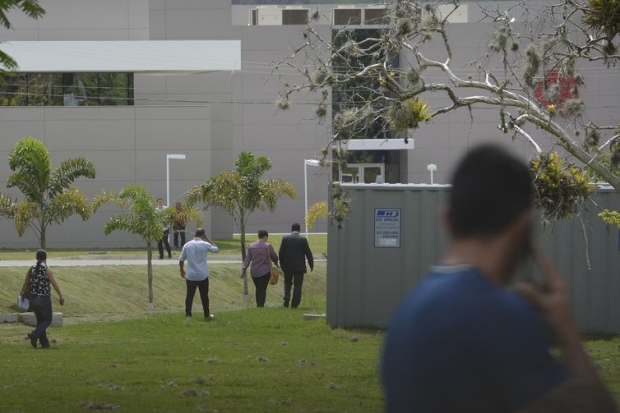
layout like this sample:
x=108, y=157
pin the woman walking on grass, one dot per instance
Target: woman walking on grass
x=260, y=254
x=37, y=286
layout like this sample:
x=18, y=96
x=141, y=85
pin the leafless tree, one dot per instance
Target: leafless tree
x=529, y=72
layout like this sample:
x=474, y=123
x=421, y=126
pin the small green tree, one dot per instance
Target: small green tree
x=141, y=218
x=49, y=197
x=242, y=191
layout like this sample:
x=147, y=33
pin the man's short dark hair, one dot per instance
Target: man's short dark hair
x=490, y=189
x=262, y=233
x=200, y=232
x=295, y=227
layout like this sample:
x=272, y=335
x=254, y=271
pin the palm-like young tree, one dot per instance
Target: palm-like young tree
x=31, y=8
x=142, y=219
x=242, y=191
x=49, y=197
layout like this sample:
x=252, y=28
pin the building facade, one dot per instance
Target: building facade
x=212, y=117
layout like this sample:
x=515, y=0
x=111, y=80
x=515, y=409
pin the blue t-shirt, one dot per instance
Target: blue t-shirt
x=458, y=343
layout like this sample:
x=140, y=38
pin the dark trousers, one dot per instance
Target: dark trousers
x=295, y=280
x=261, y=284
x=179, y=231
x=160, y=245
x=203, y=289
x=42, y=307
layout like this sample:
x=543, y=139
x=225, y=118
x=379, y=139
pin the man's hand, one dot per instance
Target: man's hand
x=549, y=297
x=182, y=273
x=583, y=391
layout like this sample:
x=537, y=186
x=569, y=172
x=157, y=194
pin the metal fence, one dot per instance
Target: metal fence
x=394, y=234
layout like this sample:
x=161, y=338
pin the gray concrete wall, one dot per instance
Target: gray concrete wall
x=365, y=284
x=243, y=114
x=126, y=144
x=245, y=117
x=83, y=20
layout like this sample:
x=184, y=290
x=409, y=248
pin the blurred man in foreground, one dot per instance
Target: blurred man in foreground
x=461, y=342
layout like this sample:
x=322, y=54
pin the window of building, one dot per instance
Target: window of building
x=347, y=17
x=376, y=16
x=66, y=89
x=294, y=16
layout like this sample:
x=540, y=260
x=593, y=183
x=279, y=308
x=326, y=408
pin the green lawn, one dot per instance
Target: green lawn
x=113, y=354
x=251, y=360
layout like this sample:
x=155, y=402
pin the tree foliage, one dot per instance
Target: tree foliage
x=49, y=197
x=529, y=74
x=31, y=8
x=242, y=191
x=316, y=211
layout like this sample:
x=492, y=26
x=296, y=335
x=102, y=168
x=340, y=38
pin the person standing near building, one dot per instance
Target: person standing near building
x=178, y=227
x=37, y=284
x=462, y=341
x=260, y=254
x=294, y=250
x=164, y=240
x=197, y=276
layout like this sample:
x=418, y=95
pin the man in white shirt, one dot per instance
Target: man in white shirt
x=197, y=276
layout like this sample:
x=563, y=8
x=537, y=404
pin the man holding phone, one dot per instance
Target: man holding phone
x=463, y=342
x=197, y=276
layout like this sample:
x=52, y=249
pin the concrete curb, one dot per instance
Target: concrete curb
x=31, y=320
x=8, y=318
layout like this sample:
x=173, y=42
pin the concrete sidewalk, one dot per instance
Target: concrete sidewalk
x=112, y=260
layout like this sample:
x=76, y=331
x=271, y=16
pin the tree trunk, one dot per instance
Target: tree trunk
x=43, y=241
x=149, y=261
x=242, y=229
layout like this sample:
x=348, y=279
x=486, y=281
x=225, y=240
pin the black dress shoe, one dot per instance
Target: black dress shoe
x=33, y=340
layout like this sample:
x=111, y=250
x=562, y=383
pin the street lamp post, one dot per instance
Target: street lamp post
x=168, y=157
x=432, y=168
x=308, y=162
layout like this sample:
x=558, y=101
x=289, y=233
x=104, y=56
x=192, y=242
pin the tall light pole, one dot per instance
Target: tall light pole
x=168, y=157
x=308, y=162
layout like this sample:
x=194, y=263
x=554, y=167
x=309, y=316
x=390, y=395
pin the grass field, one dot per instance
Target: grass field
x=112, y=354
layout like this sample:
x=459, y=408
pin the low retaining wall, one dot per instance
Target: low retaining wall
x=31, y=320
x=8, y=318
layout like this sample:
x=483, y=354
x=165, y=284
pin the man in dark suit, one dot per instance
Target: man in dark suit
x=294, y=250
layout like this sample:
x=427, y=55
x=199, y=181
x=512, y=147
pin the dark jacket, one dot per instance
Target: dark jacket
x=294, y=250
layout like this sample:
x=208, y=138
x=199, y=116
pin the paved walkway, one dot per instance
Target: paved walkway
x=111, y=260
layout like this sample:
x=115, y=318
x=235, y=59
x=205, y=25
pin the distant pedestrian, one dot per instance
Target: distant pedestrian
x=178, y=227
x=294, y=250
x=164, y=239
x=37, y=284
x=260, y=254
x=195, y=252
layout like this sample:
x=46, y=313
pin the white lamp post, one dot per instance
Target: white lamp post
x=168, y=157
x=308, y=162
x=432, y=168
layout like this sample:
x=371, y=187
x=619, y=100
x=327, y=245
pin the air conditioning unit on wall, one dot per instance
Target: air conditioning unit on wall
x=266, y=16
